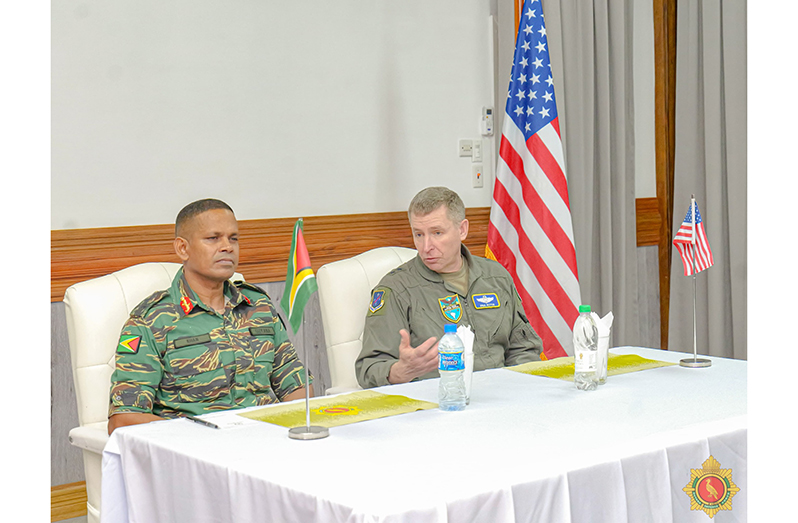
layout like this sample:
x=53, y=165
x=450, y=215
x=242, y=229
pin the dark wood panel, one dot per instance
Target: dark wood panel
x=648, y=221
x=82, y=254
x=665, y=140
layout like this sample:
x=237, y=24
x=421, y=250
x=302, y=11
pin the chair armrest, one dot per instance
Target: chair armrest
x=91, y=437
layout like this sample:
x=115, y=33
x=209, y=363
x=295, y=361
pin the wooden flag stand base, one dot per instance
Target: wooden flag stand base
x=695, y=362
x=308, y=431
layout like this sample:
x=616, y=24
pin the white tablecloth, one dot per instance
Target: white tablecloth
x=526, y=449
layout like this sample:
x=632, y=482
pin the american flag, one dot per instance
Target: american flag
x=530, y=231
x=684, y=242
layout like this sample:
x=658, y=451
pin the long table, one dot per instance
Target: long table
x=527, y=449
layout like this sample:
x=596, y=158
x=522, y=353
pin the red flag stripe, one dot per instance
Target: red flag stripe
x=559, y=325
x=549, y=166
x=534, y=204
x=551, y=286
x=551, y=345
x=533, y=173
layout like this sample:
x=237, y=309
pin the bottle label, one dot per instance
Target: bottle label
x=585, y=361
x=451, y=361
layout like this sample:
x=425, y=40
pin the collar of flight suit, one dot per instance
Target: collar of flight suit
x=474, y=271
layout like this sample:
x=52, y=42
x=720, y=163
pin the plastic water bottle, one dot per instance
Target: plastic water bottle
x=451, y=365
x=585, y=351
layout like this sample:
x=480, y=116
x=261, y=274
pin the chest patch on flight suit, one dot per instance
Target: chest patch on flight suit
x=488, y=300
x=261, y=331
x=450, y=307
x=192, y=340
x=377, y=300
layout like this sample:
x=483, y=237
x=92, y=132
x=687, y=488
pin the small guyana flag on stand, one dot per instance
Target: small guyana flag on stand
x=300, y=282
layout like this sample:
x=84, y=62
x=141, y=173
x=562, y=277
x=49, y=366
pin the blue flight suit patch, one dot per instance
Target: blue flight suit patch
x=488, y=300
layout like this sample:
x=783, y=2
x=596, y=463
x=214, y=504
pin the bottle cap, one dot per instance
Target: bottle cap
x=449, y=327
x=584, y=308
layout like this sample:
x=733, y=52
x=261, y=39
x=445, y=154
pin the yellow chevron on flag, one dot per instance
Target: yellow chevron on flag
x=300, y=282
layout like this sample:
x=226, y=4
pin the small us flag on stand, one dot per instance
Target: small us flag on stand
x=690, y=239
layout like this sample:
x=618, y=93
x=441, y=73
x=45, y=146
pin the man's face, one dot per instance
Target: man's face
x=438, y=239
x=209, y=247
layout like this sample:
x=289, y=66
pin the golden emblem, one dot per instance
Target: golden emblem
x=711, y=488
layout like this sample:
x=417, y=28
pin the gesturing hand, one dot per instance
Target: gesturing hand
x=413, y=362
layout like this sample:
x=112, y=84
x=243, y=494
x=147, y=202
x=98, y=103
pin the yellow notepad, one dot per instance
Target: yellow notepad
x=339, y=410
x=563, y=368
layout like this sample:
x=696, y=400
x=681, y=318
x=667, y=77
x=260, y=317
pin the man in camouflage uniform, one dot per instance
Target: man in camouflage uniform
x=205, y=344
x=443, y=284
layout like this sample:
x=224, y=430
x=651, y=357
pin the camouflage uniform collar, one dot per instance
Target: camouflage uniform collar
x=474, y=271
x=186, y=299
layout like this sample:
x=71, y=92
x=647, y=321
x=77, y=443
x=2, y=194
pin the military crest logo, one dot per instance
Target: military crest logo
x=450, y=307
x=377, y=301
x=711, y=488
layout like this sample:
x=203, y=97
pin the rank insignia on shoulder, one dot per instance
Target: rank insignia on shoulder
x=450, y=307
x=488, y=300
x=186, y=304
x=128, y=344
x=377, y=300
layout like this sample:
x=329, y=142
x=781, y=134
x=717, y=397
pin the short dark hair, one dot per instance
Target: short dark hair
x=196, y=208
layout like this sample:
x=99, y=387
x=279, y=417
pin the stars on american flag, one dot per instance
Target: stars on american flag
x=530, y=98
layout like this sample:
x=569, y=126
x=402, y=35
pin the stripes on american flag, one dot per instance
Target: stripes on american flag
x=683, y=241
x=530, y=231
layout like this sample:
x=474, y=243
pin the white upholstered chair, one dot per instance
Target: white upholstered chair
x=344, y=293
x=95, y=312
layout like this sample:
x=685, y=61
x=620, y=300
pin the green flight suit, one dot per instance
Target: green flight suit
x=178, y=356
x=415, y=298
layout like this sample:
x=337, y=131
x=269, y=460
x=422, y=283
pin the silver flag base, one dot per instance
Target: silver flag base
x=312, y=432
x=695, y=362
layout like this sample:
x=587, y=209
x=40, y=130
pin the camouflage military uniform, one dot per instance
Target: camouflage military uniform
x=176, y=355
x=415, y=298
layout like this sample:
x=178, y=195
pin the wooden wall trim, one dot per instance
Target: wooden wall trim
x=648, y=221
x=68, y=501
x=82, y=254
x=665, y=139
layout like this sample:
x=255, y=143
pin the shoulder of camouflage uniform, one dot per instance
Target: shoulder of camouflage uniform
x=251, y=291
x=148, y=303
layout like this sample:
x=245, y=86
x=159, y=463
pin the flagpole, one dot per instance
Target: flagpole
x=297, y=243
x=695, y=362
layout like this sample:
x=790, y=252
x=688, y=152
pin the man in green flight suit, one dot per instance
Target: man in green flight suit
x=205, y=344
x=443, y=284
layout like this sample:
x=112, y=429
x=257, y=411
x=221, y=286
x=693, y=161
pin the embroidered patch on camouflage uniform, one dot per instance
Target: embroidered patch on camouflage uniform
x=128, y=344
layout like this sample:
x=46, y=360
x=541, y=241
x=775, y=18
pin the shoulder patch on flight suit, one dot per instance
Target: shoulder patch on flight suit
x=487, y=300
x=378, y=298
x=450, y=307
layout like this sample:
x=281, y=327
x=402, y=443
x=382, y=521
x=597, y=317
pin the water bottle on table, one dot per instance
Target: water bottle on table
x=451, y=391
x=585, y=351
